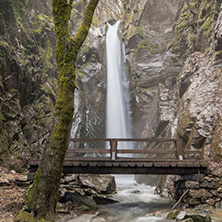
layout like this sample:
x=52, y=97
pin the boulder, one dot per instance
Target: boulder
x=100, y=183
x=198, y=217
x=103, y=200
x=79, y=200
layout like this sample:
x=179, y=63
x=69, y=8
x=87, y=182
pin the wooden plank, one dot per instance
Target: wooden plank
x=204, y=163
x=157, y=164
x=92, y=164
x=181, y=164
x=148, y=164
x=173, y=163
x=192, y=151
x=115, y=164
x=123, y=139
x=146, y=151
x=83, y=150
x=139, y=164
x=84, y=164
x=131, y=164
x=124, y=164
x=146, y=159
x=101, y=164
x=76, y=158
x=108, y=164
x=165, y=164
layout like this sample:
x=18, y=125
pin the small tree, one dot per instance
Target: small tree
x=43, y=195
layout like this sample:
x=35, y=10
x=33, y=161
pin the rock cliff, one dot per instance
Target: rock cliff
x=27, y=80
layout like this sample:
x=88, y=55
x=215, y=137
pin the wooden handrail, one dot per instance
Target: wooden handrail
x=113, y=151
x=122, y=140
x=178, y=152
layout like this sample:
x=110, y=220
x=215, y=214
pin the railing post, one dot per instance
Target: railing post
x=113, y=150
x=179, y=149
x=202, y=153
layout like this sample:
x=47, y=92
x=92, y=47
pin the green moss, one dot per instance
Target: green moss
x=24, y=217
x=172, y=215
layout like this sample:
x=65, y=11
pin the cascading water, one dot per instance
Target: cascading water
x=117, y=107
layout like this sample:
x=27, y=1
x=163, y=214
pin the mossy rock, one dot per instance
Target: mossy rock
x=188, y=220
x=172, y=215
x=24, y=217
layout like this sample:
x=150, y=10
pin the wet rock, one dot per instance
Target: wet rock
x=99, y=183
x=181, y=215
x=199, y=218
x=188, y=220
x=103, y=200
x=192, y=184
x=79, y=200
x=172, y=215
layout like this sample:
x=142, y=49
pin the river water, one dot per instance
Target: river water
x=136, y=202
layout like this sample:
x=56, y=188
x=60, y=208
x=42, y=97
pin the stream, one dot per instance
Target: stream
x=136, y=201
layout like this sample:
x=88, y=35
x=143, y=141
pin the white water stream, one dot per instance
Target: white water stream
x=136, y=201
x=117, y=104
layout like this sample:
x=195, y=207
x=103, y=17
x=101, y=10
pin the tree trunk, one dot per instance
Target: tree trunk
x=43, y=195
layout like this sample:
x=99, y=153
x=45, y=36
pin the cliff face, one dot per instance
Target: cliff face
x=27, y=80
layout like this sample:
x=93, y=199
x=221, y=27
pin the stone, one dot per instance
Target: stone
x=214, y=192
x=200, y=193
x=210, y=201
x=181, y=215
x=188, y=220
x=191, y=201
x=172, y=215
x=79, y=200
x=100, y=183
x=9, y=206
x=4, y=182
x=192, y=184
x=217, y=172
x=24, y=217
x=218, y=205
x=219, y=190
x=199, y=217
x=207, y=184
x=103, y=200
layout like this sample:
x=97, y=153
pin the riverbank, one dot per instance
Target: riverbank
x=136, y=203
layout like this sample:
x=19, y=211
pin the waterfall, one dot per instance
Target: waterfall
x=117, y=103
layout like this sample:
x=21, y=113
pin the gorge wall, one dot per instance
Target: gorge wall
x=28, y=80
x=173, y=59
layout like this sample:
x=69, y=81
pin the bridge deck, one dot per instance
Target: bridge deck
x=173, y=160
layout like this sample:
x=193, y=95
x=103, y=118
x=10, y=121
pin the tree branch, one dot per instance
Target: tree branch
x=83, y=30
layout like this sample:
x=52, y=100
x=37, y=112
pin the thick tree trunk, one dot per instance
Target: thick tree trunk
x=43, y=194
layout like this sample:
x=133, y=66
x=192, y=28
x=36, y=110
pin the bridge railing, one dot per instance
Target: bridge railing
x=173, y=151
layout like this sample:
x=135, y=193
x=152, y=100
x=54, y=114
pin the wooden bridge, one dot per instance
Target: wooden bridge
x=161, y=156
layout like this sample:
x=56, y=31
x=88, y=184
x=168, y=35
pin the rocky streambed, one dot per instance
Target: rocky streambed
x=101, y=198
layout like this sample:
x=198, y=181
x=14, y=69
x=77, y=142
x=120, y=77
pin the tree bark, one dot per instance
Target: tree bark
x=42, y=196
